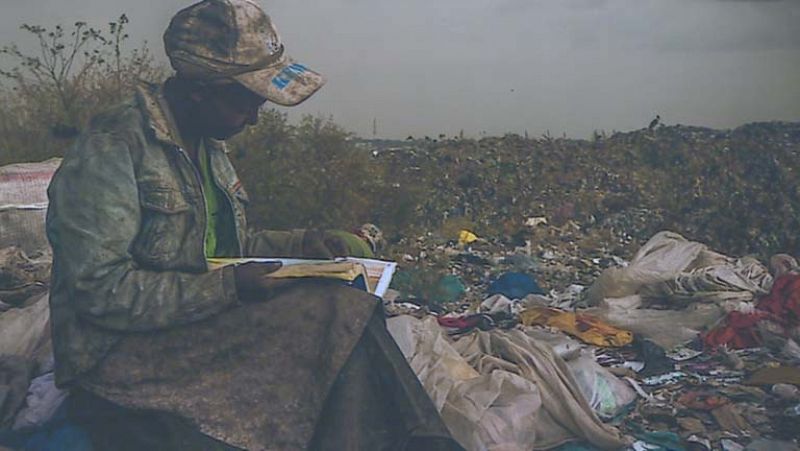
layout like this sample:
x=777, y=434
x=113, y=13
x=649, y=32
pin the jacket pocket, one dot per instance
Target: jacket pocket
x=163, y=199
x=166, y=216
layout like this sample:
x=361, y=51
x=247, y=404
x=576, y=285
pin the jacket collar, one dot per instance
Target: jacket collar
x=161, y=122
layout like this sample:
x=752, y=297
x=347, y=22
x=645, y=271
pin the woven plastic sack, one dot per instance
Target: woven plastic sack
x=23, y=205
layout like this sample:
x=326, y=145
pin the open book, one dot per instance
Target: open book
x=371, y=275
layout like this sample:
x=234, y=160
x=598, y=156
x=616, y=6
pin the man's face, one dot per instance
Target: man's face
x=224, y=111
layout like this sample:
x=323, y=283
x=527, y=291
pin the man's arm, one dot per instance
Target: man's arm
x=94, y=217
x=301, y=243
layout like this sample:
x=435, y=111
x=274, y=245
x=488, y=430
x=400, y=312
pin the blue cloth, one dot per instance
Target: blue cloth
x=59, y=434
x=515, y=285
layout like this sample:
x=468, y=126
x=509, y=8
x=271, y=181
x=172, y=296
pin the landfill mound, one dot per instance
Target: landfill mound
x=734, y=190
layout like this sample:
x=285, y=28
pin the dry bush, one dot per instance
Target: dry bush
x=305, y=175
x=49, y=95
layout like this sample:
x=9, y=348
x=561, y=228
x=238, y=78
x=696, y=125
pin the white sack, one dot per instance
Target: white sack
x=671, y=268
x=23, y=204
x=24, y=330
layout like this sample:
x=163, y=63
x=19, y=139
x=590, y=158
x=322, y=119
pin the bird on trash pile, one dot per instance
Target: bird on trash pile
x=654, y=122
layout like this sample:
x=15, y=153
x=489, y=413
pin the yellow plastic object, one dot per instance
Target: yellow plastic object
x=466, y=237
x=584, y=327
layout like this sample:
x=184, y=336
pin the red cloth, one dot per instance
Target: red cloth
x=784, y=299
x=739, y=331
x=781, y=306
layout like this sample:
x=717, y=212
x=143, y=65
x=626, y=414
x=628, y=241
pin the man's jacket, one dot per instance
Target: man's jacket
x=127, y=226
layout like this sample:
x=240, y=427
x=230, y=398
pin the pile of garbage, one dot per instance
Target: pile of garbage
x=679, y=348
x=731, y=189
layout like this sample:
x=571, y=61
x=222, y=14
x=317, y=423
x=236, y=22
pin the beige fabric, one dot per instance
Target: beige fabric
x=499, y=390
x=565, y=414
x=23, y=331
x=255, y=376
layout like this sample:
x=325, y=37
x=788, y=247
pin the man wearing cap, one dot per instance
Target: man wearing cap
x=163, y=353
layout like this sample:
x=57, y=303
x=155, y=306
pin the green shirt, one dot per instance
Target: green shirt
x=219, y=220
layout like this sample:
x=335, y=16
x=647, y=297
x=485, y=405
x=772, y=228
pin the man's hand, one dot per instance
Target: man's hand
x=252, y=283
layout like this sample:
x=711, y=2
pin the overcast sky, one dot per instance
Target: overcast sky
x=424, y=67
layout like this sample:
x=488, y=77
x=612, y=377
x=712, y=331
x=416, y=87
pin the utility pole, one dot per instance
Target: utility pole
x=374, y=127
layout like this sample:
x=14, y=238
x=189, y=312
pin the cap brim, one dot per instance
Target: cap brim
x=288, y=83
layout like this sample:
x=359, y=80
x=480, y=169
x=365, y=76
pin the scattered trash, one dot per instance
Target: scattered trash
x=669, y=378
x=775, y=375
x=793, y=411
x=698, y=400
x=498, y=303
x=607, y=395
x=536, y=221
x=730, y=420
x=670, y=382
x=466, y=237
x=764, y=444
x=429, y=287
x=682, y=354
x=514, y=285
x=585, y=327
x=730, y=445
x=698, y=443
x=660, y=440
x=654, y=357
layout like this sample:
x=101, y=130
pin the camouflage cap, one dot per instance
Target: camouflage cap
x=219, y=40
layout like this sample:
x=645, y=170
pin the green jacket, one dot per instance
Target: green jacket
x=127, y=226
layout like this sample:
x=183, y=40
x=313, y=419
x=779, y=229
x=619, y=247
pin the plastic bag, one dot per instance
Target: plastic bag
x=607, y=394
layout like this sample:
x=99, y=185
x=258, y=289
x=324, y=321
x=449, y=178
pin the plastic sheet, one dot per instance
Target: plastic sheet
x=607, y=394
